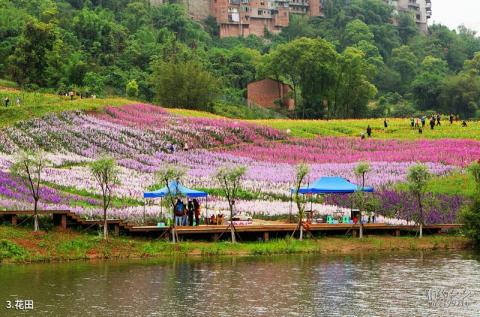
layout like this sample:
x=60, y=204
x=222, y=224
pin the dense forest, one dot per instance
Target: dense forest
x=354, y=62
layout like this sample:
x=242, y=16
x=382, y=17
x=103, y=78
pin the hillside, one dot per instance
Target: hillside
x=337, y=65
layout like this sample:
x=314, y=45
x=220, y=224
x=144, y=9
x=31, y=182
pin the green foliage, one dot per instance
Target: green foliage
x=417, y=178
x=165, y=176
x=470, y=217
x=460, y=93
x=301, y=173
x=230, y=181
x=474, y=170
x=99, y=47
x=132, y=88
x=184, y=85
x=427, y=85
x=9, y=250
x=243, y=111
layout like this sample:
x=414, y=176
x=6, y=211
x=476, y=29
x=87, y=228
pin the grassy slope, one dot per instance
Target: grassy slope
x=457, y=183
x=38, y=104
x=22, y=245
x=398, y=128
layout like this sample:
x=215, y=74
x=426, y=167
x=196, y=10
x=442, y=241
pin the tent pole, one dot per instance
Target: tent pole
x=290, y=211
x=144, y=209
x=206, y=208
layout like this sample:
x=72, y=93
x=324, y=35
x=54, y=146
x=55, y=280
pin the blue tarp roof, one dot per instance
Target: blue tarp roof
x=174, y=186
x=332, y=185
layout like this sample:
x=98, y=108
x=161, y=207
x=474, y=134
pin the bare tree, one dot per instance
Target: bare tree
x=29, y=167
x=105, y=172
x=230, y=179
x=302, y=171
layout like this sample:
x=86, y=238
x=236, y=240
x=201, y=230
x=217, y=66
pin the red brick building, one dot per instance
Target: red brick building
x=246, y=17
x=268, y=92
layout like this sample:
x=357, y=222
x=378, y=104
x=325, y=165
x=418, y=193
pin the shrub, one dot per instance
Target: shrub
x=10, y=250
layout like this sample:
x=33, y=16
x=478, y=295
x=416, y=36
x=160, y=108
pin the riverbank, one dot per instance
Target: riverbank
x=18, y=245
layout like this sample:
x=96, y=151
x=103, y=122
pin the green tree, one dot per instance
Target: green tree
x=360, y=171
x=29, y=167
x=301, y=173
x=105, y=172
x=417, y=177
x=132, y=89
x=353, y=89
x=461, y=93
x=28, y=62
x=230, y=180
x=405, y=63
x=310, y=66
x=357, y=31
x=470, y=216
x=184, y=85
x=407, y=28
x=427, y=85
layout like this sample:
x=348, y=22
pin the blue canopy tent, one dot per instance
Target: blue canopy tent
x=176, y=189
x=330, y=185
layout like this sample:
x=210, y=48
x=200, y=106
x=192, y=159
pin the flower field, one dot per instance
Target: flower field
x=140, y=138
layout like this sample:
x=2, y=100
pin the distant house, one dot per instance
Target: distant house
x=269, y=93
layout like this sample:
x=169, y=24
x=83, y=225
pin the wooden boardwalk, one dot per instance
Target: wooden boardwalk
x=67, y=219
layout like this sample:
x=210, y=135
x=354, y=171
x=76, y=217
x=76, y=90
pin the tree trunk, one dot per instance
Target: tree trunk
x=35, y=215
x=105, y=225
x=301, y=230
x=421, y=215
x=361, y=226
x=232, y=228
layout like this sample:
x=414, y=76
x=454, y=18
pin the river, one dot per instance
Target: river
x=405, y=284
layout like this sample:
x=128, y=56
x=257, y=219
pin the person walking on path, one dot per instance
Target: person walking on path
x=438, y=119
x=196, y=207
x=6, y=100
x=451, y=118
x=385, y=123
x=432, y=123
x=423, y=121
x=412, y=122
x=369, y=131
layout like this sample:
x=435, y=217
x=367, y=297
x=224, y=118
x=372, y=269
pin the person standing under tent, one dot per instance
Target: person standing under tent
x=190, y=211
x=196, y=207
x=179, y=212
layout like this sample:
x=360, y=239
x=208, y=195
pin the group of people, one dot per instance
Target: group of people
x=6, y=101
x=419, y=123
x=185, y=213
x=434, y=120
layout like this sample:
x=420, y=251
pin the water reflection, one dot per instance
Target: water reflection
x=363, y=285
